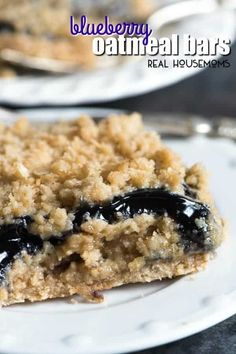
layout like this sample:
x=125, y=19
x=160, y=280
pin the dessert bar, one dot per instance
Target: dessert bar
x=90, y=205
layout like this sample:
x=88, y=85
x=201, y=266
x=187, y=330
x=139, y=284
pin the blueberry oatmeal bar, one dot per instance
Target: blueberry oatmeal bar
x=41, y=28
x=87, y=206
x=128, y=10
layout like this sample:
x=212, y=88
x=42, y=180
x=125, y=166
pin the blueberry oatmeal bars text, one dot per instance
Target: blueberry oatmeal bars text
x=88, y=206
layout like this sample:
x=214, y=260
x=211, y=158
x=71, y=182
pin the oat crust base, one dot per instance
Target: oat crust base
x=38, y=288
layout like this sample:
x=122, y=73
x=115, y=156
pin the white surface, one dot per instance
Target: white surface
x=128, y=79
x=139, y=316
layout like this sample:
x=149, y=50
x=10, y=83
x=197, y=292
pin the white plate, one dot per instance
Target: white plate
x=131, y=78
x=139, y=316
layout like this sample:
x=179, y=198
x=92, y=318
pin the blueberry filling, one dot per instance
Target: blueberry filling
x=189, y=192
x=189, y=215
x=7, y=27
x=14, y=239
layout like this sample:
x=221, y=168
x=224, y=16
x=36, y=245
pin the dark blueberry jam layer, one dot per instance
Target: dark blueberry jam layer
x=7, y=27
x=15, y=238
x=189, y=192
x=182, y=209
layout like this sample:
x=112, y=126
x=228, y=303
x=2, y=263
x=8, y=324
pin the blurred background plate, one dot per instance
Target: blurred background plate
x=129, y=78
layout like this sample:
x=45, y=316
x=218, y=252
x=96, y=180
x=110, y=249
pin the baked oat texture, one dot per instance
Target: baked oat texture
x=41, y=29
x=48, y=170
